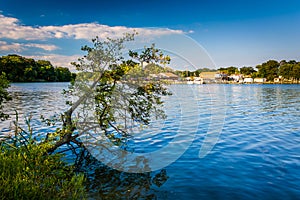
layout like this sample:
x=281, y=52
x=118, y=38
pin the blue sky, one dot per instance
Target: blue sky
x=233, y=33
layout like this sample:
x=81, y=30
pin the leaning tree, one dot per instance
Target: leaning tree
x=112, y=93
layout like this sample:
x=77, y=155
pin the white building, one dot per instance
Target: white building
x=248, y=80
x=260, y=80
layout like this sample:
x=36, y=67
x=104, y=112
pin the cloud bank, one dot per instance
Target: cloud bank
x=18, y=38
x=18, y=47
x=12, y=29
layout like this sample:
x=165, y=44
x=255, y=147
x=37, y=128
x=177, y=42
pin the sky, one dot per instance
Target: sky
x=203, y=33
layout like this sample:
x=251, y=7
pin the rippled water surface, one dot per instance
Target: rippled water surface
x=256, y=156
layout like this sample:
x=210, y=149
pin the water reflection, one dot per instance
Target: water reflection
x=34, y=99
x=107, y=183
x=256, y=157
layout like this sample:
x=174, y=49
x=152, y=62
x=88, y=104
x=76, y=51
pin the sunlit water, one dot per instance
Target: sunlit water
x=257, y=155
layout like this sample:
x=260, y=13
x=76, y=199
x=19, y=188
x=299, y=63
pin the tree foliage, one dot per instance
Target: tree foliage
x=290, y=70
x=4, y=95
x=112, y=91
x=268, y=70
x=149, y=55
x=229, y=70
x=196, y=73
x=21, y=69
x=112, y=96
x=247, y=70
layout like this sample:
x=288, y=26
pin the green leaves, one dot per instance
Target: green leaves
x=150, y=55
x=21, y=69
x=28, y=172
x=290, y=70
x=4, y=95
x=146, y=102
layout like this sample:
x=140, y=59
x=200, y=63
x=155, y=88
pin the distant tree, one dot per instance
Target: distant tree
x=196, y=73
x=292, y=62
x=247, y=70
x=187, y=73
x=13, y=66
x=180, y=73
x=286, y=70
x=229, y=70
x=63, y=74
x=153, y=69
x=21, y=69
x=296, y=72
x=45, y=70
x=268, y=70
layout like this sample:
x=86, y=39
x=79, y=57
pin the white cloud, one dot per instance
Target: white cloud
x=15, y=47
x=18, y=47
x=12, y=29
x=46, y=47
x=58, y=60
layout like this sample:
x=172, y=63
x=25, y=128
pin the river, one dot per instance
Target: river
x=249, y=137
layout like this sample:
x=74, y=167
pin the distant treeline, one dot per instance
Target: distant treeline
x=21, y=69
x=289, y=70
x=195, y=73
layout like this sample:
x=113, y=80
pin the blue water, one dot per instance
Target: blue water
x=254, y=130
x=258, y=152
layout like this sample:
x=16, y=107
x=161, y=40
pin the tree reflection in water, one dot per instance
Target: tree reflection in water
x=104, y=182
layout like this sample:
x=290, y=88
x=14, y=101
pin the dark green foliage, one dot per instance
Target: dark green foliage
x=107, y=86
x=196, y=73
x=290, y=70
x=272, y=69
x=21, y=69
x=114, y=85
x=4, y=96
x=247, y=70
x=229, y=70
x=268, y=70
x=145, y=100
x=150, y=55
x=27, y=171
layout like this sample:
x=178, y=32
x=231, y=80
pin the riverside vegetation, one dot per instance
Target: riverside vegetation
x=21, y=69
x=288, y=70
x=39, y=166
x=40, y=170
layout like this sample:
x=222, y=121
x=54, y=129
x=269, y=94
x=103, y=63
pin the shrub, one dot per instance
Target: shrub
x=27, y=171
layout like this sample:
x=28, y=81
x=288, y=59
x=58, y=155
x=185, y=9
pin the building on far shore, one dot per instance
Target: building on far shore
x=236, y=78
x=164, y=76
x=209, y=77
x=248, y=80
x=278, y=80
x=260, y=80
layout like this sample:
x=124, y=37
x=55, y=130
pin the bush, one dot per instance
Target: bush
x=27, y=171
